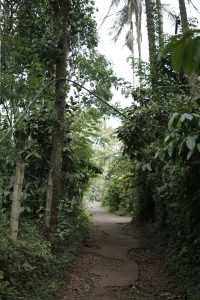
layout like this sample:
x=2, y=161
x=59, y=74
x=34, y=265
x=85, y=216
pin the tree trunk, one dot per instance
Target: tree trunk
x=136, y=9
x=61, y=11
x=160, y=23
x=16, y=200
x=185, y=27
x=183, y=14
x=151, y=36
x=48, y=201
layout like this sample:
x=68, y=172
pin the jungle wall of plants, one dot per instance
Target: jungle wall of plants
x=32, y=38
x=161, y=137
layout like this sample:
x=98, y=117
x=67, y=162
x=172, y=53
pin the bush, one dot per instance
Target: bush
x=34, y=267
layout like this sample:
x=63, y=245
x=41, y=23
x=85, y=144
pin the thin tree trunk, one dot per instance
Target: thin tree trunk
x=135, y=8
x=48, y=202
x=16, y=200
x=151, y=36
x=160, y=23
x=139, y=38
x=133, y=65
x=61, y=19
x=132, y=48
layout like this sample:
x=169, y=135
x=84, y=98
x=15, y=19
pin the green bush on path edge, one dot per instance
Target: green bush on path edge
x=36, y=266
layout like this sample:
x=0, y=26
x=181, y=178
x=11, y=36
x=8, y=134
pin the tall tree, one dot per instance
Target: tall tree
x=159, y=22
x=61, y=10
x=151, y=32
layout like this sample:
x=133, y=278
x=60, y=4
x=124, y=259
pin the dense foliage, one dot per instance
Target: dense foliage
x=156, y=180
x=160, y=135
x=35, y=266
x=31, y=48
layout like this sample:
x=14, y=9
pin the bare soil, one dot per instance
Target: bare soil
x=117, y=262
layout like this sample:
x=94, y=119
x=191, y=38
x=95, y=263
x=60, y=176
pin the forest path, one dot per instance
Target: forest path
x=108, y=268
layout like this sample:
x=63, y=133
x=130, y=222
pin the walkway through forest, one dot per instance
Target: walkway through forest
x=117, y=262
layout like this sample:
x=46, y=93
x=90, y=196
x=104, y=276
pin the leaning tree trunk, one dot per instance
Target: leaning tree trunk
x=151, y=37
x=61, y=13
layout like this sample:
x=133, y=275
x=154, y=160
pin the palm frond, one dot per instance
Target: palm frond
x=131, y=8
x=138, y=23
x=120, y=22
x=172, y=14
x=191, y=2
x=129, y=40
x=113, y=3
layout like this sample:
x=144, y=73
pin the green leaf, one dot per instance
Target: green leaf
x=197, y=53
x=189, y=154
x=183, y=251
x=1, y=274
x=198, y=147
x=6, y=193
x=186, y=116
x=138, y=166
x=190, y=142
x=189, y=63
x=148, y=166
x=180, y=147
x=178, y=55
x=28, y=155
x=36, y=154
x=171, y=120
x=170, y=46
x=144, y=167
x=167, y=139
x=170, y=148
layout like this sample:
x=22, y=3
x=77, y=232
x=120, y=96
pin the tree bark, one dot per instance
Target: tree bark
x=16, y=200
x=61, y=12
x=48, y=201
x=151, y=36
x=160, y=23
x=183, y=14
x=185, y=27
x=135, y=8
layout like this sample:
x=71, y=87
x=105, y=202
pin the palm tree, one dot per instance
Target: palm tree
x=151, y=32
x=132, y=9
x=160, y=22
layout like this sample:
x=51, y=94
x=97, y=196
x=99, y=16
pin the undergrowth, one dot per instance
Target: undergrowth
x=37, y=264
x=185, y=267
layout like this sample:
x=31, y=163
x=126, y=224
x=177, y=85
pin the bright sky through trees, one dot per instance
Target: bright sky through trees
x=117, y=52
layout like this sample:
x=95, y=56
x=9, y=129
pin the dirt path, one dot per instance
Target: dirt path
x=117, y=263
